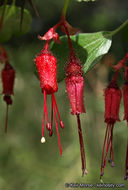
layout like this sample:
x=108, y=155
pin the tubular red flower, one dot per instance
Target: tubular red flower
x=75, y=86
x=8, y=77
x=112, y=103
x=46, y=65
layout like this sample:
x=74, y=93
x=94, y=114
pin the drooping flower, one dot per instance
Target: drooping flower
x=75, y=87
x=112, y=103
x=8, y=77
x=46, y=64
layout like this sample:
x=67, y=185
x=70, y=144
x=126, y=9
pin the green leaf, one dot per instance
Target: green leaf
x=11, y=24
x=90, y=47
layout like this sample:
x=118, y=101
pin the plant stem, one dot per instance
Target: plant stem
x=69, y=39
x=34, y=8
x=119, y=28
x=65, y=8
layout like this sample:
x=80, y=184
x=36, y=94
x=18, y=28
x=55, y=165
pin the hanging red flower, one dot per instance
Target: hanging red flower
x=46, y=64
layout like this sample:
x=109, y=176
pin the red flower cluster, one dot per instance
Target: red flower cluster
x=46, y=64
x=112, y=103
x=47, y=69
x=8, y=77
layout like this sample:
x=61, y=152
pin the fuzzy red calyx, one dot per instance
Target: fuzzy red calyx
x=8, y=77
x=112, y=103
x=75, y=85
x=46, y=65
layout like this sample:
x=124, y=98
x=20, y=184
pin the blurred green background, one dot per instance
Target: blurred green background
x=25, y=163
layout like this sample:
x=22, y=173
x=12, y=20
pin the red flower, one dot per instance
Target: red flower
x=75, y=86
x=112, y=103
x=47, y=68
x=8, y=77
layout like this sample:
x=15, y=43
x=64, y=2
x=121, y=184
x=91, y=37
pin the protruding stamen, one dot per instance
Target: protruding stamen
x=113, y=164
x=50, y=132
x=86, y=172
x=51, y=112
x=125, y=177
x=107, y=146
x=102, y=165
x=54, y=101
x=43, y=140
x=48, y=126
x=45, y=100
x=6, y=119
x=57, y=130
x=62, y=124
x=83, y=160
x=101, y=174
x=111, y=149
x=43, y=118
